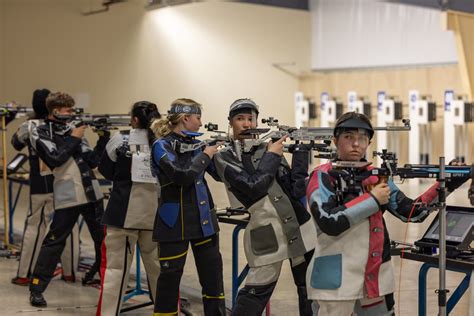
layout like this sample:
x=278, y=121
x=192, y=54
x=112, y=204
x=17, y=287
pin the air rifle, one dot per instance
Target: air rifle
x=354, y=172
x=219, y=137
x=96, y=121
x=317, y=139
x=12, y=111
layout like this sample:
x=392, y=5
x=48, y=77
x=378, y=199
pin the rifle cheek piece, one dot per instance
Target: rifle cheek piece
x=63, y=118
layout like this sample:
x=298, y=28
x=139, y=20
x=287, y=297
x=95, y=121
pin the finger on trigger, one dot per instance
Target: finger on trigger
x=282, y=139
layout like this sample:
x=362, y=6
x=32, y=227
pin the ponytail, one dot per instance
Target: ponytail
x=161, y=127
x=147, y=113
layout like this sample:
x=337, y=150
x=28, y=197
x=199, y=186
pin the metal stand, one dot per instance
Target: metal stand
x=6, y=243
x=238, y=278
x=442, y=291
x=138, y=288
x=455, y=297
x=12, y=203
x=6, y=250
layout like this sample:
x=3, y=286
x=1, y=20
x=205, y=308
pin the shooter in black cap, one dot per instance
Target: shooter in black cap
x=351, y=270
x=280, y=227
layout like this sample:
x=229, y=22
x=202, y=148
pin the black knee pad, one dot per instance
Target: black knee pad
x=173, y=266
x=299, y=274
x=252, y=299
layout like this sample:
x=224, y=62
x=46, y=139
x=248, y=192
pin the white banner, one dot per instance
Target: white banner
x=372, y=33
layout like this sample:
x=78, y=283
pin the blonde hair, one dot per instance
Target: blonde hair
x=164, y=126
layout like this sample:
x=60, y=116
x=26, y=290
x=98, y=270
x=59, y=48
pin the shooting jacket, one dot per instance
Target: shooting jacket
x=186, y=209
x=352, y=254
x=280, y=226
x=132, y=205
x=38, y=184
x=71, y=160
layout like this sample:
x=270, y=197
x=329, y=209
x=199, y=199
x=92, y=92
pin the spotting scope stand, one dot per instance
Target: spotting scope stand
x=442, y=291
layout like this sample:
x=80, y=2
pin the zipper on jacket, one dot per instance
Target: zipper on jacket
x=182, y=214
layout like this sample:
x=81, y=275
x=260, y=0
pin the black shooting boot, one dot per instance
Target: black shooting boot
x=37, y=299
x=88, y=279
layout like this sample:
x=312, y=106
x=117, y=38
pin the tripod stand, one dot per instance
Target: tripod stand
x=10, y=113
x=7, y=250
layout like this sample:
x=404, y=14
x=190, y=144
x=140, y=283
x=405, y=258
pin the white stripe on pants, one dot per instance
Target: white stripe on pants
x=36, y=226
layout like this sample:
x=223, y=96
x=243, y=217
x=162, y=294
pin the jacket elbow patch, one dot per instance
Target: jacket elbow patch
x=159, y=151
x=362, y=208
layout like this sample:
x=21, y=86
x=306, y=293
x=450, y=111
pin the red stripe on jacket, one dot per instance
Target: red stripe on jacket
x=313, y=183
x=374, y=261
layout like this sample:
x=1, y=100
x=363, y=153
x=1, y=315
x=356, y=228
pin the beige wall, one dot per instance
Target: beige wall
x=213, y=52
x=2, y=37
x=397, y=82
x=462, y=25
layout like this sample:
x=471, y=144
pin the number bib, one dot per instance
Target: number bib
x=141, y=168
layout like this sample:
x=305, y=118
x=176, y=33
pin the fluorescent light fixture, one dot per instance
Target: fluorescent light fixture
x=156, y=4
x=105, y=7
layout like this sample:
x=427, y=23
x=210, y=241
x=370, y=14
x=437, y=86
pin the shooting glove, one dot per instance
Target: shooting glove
x=455, y=181
x=299, y=147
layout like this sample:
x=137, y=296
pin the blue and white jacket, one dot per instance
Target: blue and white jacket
x=186, y=209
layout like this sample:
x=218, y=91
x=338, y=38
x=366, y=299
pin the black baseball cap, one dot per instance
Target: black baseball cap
x=351, y=121
x=242, y=106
